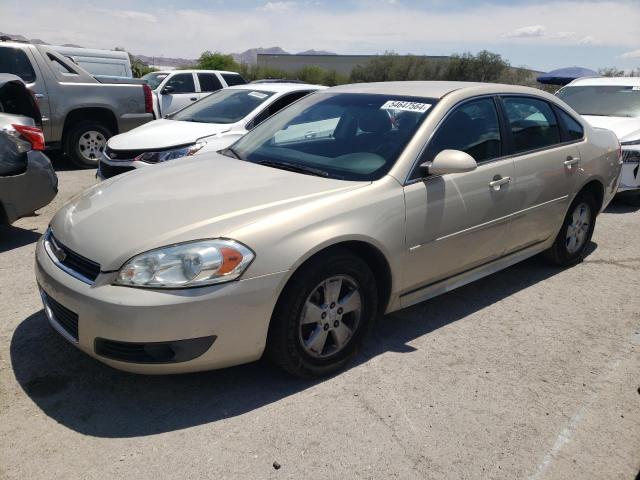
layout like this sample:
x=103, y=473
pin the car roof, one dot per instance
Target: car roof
x=432, y=89
x=278, y=87
x=195, y=71
x=613, y=81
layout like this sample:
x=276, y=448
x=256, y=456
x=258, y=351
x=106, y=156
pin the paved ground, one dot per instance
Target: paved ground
x=532, y=373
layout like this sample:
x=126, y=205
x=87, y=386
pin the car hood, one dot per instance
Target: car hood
x=627, y=129
x=206, y=196
x=165, y=133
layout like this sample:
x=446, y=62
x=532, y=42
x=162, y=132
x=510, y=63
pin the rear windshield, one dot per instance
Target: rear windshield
x=16, y=62
x=349, y=136
x=603, y=100
x=154, y=79
x=223, y=106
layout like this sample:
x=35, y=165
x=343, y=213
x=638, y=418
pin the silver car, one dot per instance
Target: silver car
x=291, y=245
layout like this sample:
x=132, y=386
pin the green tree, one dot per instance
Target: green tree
x=611, y=72
x=138, y=67
x=217, y=61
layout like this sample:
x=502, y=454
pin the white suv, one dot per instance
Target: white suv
x=177, y=89
x=614, y=104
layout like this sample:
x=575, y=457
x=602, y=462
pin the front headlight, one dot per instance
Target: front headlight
x=166, y=155
x=190, y=264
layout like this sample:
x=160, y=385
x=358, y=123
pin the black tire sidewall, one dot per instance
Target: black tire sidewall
x=283, y=338
x=73, y=137
x=562, y=254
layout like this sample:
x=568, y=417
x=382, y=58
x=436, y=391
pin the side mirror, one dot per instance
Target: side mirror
x=449, y=161
x=167, y=90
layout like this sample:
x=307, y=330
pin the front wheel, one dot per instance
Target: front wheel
x=85, y=143
x=572, y=242
x=323, y=315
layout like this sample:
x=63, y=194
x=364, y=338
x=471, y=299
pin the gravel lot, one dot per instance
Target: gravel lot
x=531, y=373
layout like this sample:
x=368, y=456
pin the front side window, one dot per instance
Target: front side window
x=472, y=128
x=532, y=122
x=276, y=106
x=209, y=82
x=223, y=106
x=16, y=62
x=603, y=100
x=349, y=136
x=181, y=83
x=233, y=79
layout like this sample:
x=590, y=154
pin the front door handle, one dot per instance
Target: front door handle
x=570, y=161
x=497, y=184
x=193, y=99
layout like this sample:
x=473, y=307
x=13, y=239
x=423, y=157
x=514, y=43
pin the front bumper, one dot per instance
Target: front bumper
x=25, y=193
x=235, y=316
x=108, y=168
x=630, y=176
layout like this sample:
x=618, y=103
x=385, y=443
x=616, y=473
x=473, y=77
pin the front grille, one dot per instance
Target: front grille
x=108, y=171
x=64, y=317
x=122, y=155
x=73, y=261
x=631, y=156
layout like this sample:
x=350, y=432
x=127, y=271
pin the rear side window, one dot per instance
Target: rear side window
x=473, y=128
x=16, y=62
x=209, y=82
x=182, y=83
x=533, y=123
x=60, y=66
x=573, y=129
x=233, y=79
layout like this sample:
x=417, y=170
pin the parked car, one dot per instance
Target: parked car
x=79, y=113
x=210, y=124
x=27, y=179
x=612, y=103
x=293, y=247
x=175, y=90
x=109, y=63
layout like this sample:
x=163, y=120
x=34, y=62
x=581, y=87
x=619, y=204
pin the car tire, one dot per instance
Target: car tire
x=85, y=141
x=294, y=340
x=572, y=242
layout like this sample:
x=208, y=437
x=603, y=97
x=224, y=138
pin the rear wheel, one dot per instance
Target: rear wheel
x=323, y=315
x=85, y=142
x=572, y=242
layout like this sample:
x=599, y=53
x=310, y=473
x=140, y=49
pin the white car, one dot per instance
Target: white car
x=175, y=90
x=614, y=104
x=211, y=124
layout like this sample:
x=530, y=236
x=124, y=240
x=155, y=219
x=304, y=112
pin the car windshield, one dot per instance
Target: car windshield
x=603, y=100
x=224, y=106
x=347, y=136
x=154, y=79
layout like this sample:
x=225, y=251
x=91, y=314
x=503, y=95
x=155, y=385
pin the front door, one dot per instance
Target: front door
x=181, y=92
x=457, y=222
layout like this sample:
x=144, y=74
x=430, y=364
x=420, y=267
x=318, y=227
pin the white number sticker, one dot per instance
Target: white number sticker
x=258, y=95
x=406, y=106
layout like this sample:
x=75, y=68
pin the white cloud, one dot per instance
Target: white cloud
x=530, y=31
x=588, y=40
x=631, y=54
x=132, y=15
x=278, y=6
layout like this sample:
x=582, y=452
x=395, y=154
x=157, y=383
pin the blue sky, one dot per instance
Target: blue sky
x=543, y=34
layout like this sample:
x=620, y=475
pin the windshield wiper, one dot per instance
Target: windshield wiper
x=292, y=167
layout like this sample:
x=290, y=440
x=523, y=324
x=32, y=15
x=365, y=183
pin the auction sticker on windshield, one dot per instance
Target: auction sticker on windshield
x=259, y=95
x=406, y=106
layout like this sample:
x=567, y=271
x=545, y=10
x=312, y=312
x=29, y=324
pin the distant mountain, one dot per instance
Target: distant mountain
x=250, y=56
x=315, y=52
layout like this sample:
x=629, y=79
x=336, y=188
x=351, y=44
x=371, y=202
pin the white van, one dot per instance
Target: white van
x=110, y=63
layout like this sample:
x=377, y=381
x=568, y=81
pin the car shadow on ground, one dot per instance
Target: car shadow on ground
x=14, y=237
x=93, y=399
x=619, y=205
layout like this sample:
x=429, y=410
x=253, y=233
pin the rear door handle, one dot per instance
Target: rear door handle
x=193, y=99
x=570, y=161
x=496, y=184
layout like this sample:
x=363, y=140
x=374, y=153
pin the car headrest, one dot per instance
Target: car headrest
x=373, y=121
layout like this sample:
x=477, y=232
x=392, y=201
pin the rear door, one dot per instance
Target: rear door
x=181, y=92
x=209, y=83
x=457, y=222
x=546, y=166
